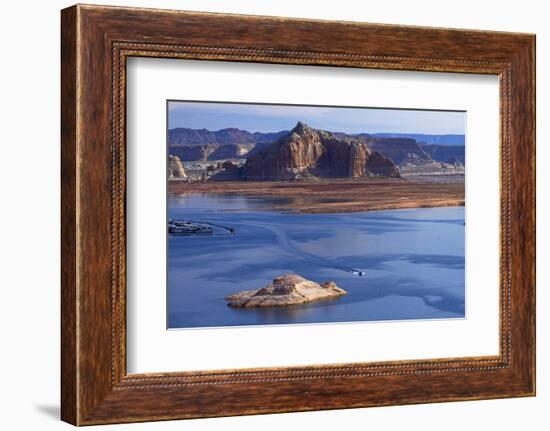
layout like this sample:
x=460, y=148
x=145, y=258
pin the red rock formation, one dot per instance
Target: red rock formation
x=305, y=152
x=358, y=157
x=378, y=165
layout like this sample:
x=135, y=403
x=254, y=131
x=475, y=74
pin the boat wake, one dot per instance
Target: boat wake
x=286, y=244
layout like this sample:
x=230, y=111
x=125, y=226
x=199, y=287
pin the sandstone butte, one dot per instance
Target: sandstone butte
x=288, y=289
x=306, y=152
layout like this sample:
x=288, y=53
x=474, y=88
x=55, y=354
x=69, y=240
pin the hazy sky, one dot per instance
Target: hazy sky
x=273, y=118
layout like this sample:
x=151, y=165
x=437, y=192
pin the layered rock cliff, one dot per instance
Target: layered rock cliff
x=202, y=144
x=446, y=153
x=306, y=152
x=381, y=166
x=203, y=152
x=400, y=150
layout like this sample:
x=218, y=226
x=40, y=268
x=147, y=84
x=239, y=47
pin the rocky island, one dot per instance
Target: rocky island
x=289, y=289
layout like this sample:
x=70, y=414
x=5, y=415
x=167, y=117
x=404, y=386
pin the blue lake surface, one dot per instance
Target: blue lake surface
x=413, y=259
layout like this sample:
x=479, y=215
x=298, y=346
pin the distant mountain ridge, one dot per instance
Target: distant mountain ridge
x=448, y=139
x=403, y=149
x=232, y=135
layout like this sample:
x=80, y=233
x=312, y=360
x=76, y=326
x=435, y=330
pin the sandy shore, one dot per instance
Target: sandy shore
x=339, y=195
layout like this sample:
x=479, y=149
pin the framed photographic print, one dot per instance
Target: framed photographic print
x=264, y=215
x=292, y=203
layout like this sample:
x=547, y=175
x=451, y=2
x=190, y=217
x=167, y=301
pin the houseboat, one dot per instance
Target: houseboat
x=186, y=227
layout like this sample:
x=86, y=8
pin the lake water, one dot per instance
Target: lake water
x=413, y=259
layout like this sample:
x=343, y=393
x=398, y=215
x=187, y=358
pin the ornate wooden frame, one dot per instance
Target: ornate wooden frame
x=95, y=42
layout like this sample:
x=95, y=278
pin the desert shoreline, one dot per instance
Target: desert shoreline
x=339, y=195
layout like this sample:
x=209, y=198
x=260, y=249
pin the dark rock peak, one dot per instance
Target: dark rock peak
x=301, y=129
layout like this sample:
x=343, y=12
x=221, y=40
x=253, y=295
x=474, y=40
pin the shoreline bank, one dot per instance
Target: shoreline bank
x=337, y=195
